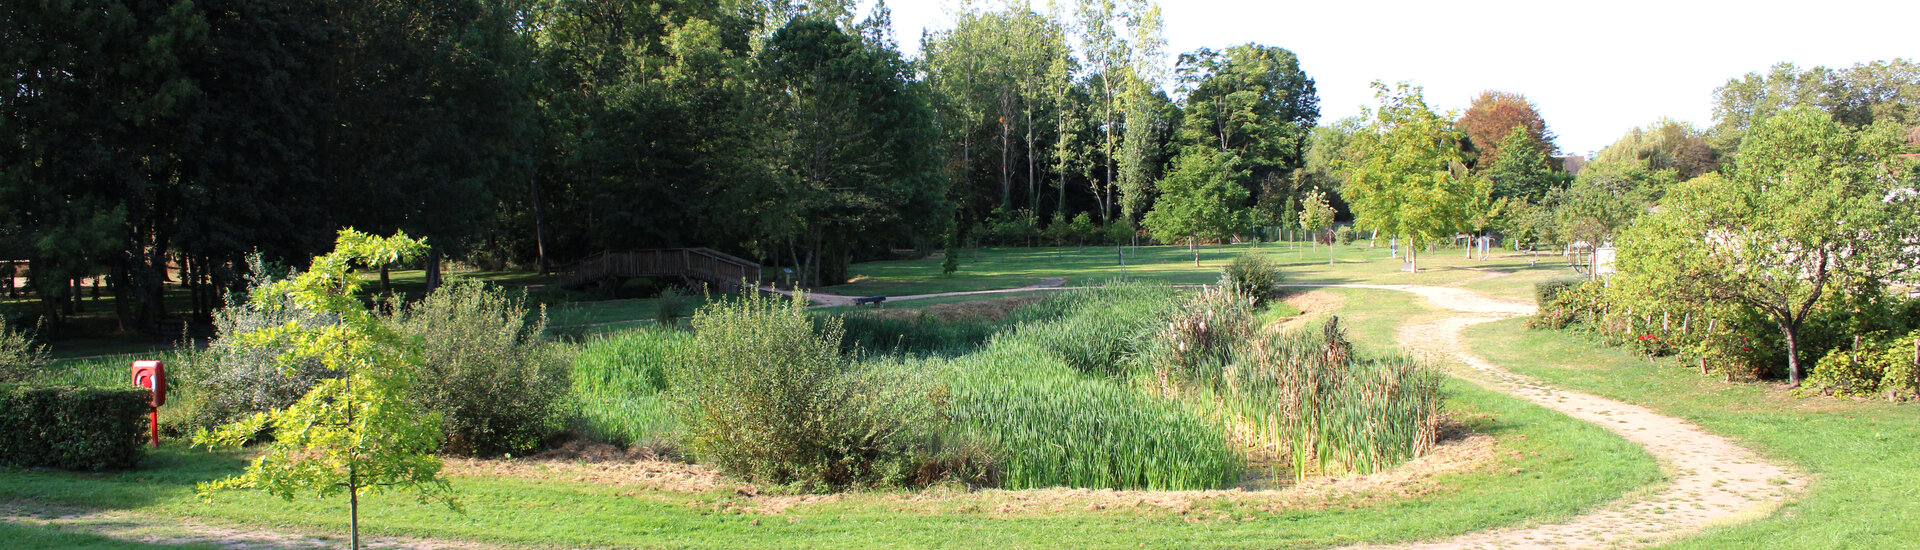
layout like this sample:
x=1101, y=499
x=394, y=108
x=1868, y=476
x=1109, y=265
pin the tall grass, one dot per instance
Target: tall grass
x=1094, y=330
x=1049, y=425
x=617, y=385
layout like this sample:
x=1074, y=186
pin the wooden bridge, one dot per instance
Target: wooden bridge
x=723, y=271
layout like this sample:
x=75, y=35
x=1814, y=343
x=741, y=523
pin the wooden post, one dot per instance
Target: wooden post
x=1686, y=322
x=1665, y=320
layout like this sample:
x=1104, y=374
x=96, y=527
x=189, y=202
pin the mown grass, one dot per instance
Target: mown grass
x=1544, y=466
x=1864, y=455
x=996, y=268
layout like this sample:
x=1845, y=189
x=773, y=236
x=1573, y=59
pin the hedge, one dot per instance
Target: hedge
x=89, y=429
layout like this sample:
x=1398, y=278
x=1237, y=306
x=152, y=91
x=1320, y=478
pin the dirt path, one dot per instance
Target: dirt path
x=821, y=299
x=1713, y=480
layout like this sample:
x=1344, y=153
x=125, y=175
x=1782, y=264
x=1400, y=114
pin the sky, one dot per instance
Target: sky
x=1595, y=70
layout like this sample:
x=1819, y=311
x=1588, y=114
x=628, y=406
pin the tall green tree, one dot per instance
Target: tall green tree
x=1251, y=100
x=1408, y=178
x=857, y=143
x=1520, y=171
x=1199, y=199
x=1809, y=207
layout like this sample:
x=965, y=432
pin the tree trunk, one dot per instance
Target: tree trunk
x=433, y=269
x=539, y=224
x=1413, y=260
x=1473, y=242
x=1193, y=244
x=1793, y=353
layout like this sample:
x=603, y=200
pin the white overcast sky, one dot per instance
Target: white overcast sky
x=1595, y=69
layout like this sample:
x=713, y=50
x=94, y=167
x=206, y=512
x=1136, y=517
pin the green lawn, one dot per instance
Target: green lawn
x=995, y=268
x=1864, y=455
x=1544, y=466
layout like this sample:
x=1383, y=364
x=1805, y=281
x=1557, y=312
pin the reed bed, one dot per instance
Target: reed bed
x=618, y=380
x=1049, y=425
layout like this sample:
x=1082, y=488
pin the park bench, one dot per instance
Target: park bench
x=875, y=301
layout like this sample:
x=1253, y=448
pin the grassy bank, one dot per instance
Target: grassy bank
x=1864, y=455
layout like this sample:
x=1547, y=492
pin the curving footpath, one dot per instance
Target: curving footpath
x=1713, y=480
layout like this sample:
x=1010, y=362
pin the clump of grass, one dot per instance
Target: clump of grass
x=617, y=384
x=1049, y=425
x=1095, y=329
x=1306, y=393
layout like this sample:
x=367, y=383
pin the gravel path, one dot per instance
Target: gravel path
x=1713, y=480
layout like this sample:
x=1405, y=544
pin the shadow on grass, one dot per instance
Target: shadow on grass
x=166, y=474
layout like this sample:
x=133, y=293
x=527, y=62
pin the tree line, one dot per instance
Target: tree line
x=157, y=142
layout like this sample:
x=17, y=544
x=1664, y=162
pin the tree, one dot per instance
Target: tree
x=1317, y=216
x=857, y=147
x=1199, y=198
x=1810, y=206
x=1495, y=114
x=1857, y=96
x=1520, y=171
x=1408, y=178
x=351, y=433
x=1254, y=101
x=1664, y=145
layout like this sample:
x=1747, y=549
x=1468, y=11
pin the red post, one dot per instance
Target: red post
x=152, y=376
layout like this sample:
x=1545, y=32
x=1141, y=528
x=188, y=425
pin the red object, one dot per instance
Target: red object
x=152, y=375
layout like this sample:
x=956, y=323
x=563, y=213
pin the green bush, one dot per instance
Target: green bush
x=766, y=396
x=236, y=378
x=1345, y=234
x=1252, y=275
x=498, y=387
x=1881, y=366
x=671, y=305
x=618, y=380
x=88, y=429
x=19, y=356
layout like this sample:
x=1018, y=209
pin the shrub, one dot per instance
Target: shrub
x=765, y=396
x=239, y=378
x=498, y=387
x=89, y=429
x=18, y=355
x=1344, y=234
x=1881, y=366
x=671, y=305
x=618, y=382
x=1252, y=275
x=1564, y=303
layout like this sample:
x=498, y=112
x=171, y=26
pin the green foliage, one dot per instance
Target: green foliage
x=19, y=355
x=1806, y=211
x=1521, y=170
x=950, y=256
x=1049, y=425
x=1315, y=214
x=1332, y=412
x=672, y=304
x=765, y=396
x=355, y=432
x=240, y=377
x=618, y=385
x=1545, y=292
x=1251, y=100
x=497, y=388
x=90, y=429
x=1199, y=198
x=917, y=335
x=1345, y=234
x=1407, y=177
x=1097, y=329
x=1882, y=366
x=1252, y=275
